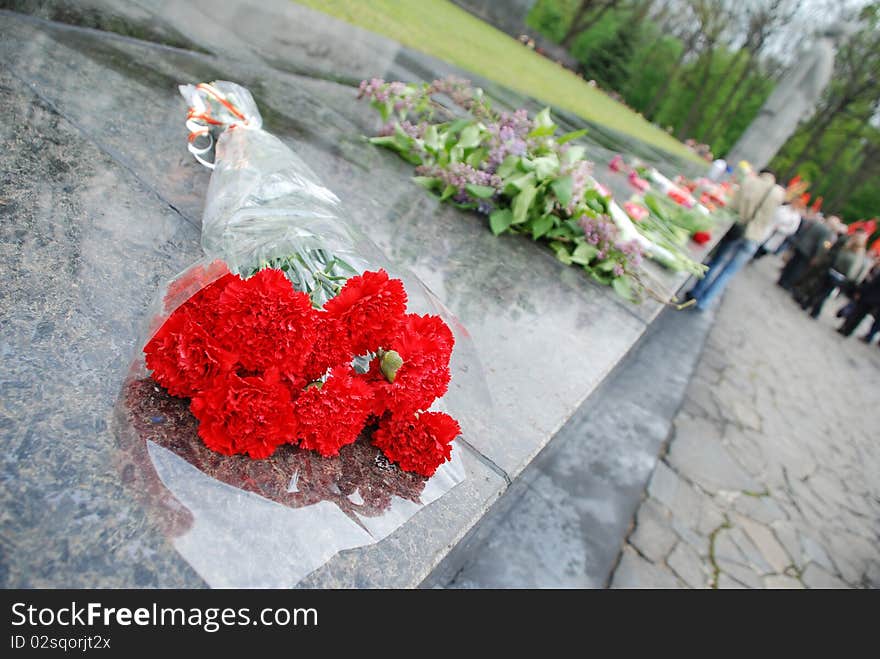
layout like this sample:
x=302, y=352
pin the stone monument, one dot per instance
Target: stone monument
x=794, y=100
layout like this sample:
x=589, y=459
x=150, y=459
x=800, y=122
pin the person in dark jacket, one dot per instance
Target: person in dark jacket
x=867, y=301
x=843, y=272
x=814, y=238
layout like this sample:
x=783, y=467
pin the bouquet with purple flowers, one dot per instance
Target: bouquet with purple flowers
x=510, y=167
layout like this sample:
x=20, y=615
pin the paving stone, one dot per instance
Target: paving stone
x=741, y=573
x=697, y=542
x=703, y=460
x=782, y=581
x=761, y=509
x=788, y=537
x=633, y=571
x=664, y=484
x=815, y=577
x=753, y=556
x=766, y=542
x=653, y=535
x=815, y=552
x=689, y=567
x=726, y=549
x=711, y=516
x=726, y=583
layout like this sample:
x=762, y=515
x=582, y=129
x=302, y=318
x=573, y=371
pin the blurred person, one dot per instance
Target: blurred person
x=846, y=268
x=755, y=203
x=814, y=236
x=867, y=301
x=786, y=221
x=813, y=277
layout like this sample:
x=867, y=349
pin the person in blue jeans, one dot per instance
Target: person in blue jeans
x=755, y=203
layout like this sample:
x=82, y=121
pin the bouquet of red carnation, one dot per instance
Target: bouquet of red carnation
x=284, y=335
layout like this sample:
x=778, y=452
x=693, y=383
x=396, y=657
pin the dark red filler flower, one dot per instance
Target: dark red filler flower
x=251, y=414
x=424, y=343
x=418, y=443
x=267, y=323
x=333, y=414
x=370, y=308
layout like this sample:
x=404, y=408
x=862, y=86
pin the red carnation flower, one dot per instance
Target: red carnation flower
x=418, y=443
x=701, y=237
x=424, y=343
x=252, y=414
x=333, y=415
x=267, y=323
x=184, y=356
x=192, y=282
x=370, y=307
x=332, y=347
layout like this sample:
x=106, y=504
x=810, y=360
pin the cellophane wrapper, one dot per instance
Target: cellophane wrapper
x=269, y=523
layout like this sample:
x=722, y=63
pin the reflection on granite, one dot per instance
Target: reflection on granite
x=101, y=206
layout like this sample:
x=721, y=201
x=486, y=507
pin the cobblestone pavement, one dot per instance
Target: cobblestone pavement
x=772, y=474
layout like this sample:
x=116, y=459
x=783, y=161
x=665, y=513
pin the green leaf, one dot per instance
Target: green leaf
x=600, y=277
x=623, y=287
x=559, y=232
x=448, y=191
x=584, y=253
x=573, y=135
x=480, y=191
x=606, y=266
x=546, y=166
x=561, y=252
x=500, y=220
x=388, y=141
x=541, y=226
x=432, y=138
x=573, y=154
x=427, y=182
x=543, y=124
x=456, y=126
x=563, y=189
x=522, y=202
x=575, y=227
x=520, y=181
x=508, y=167
x=456, y=153
x=477, y=157
x=470, y=137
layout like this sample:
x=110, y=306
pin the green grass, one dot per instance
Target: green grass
x=441, y=29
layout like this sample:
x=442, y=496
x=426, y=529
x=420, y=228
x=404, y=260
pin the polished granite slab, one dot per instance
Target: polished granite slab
x=101, y=203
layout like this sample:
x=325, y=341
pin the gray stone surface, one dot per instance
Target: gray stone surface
x=653, y=537
x=688, y=566
x=583, y=488
x=633, y=571
x=780, y=581
x=772, y=431
x=763, y=538
x=815, y=577
x=742, y=574
x=703, y=460
x=104, y=205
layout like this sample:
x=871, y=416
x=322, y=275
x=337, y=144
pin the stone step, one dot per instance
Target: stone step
x=106, y=106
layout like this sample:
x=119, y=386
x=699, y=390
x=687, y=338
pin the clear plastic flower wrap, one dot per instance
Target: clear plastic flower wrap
x=300, y=394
